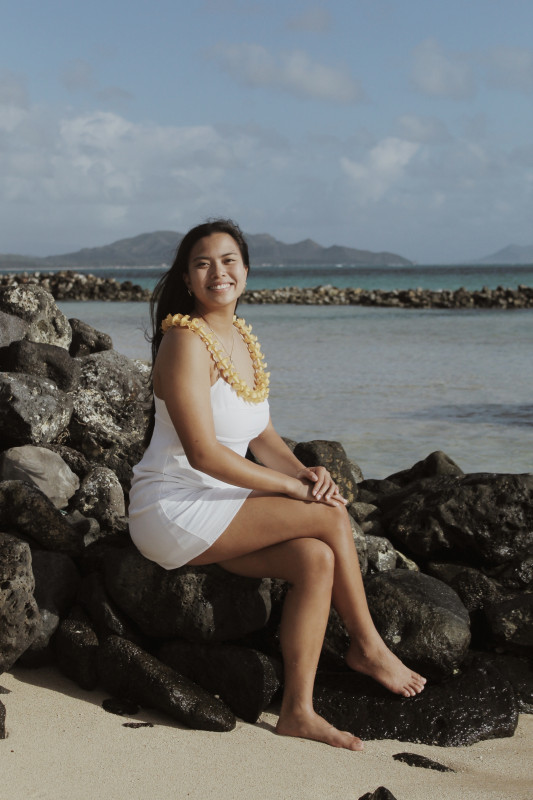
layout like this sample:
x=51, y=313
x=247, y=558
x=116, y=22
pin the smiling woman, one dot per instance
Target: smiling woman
x=196, y=499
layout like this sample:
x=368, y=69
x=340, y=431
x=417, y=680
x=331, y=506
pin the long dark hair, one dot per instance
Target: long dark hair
x=171, y=295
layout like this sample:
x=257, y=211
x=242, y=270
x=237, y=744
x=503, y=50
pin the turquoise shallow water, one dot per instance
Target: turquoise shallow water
x=391, y=384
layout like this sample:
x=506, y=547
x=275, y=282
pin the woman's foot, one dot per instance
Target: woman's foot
x=380, y=663
x=312, y=726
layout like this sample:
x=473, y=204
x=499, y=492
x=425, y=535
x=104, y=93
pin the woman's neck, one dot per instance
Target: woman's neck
x=221, y=319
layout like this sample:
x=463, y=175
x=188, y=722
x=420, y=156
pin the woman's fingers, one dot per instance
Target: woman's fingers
x=323, y=488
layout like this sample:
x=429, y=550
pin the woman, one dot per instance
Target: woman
x=197, y=500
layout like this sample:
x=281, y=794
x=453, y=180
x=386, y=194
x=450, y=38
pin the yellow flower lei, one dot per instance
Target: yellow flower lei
x=224, y=364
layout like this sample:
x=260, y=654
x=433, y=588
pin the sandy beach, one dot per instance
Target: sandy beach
x=62, y=744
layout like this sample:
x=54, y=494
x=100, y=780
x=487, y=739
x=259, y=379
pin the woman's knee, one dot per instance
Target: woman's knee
x=335, y=523
x=314, y=558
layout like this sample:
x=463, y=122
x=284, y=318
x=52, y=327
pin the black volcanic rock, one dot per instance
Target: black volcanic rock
x=24, y=509
x=331, y=455
x=518, y=671
x=32, y=410
x=12, y=329
x=19, y=614
x=76, y=648
x=437, y=463
x=56, y=583
x=483, y=518
x=245, y=679
x=416, y=760
x=421, y=619
x=109, y=417
x=381, y=793
x=105, y=616
x=202, y=604
x=511, y=623
x=87, y=340
x=42, y=360
x=36, y=306
x=475, y=705
x=129, y=673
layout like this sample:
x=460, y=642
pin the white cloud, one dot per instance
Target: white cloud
x=253, y=65
x=85, y=174
x=510, y=68
x=315, y=19
x=439, y=74
x=381, y=169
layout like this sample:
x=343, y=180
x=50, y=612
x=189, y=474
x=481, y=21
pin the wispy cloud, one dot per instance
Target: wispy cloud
x=437, y=73
x=383, y=167
x=417, y=128
x=295, y=72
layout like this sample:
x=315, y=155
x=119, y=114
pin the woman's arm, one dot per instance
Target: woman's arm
x=270, y=449
x=182, y=378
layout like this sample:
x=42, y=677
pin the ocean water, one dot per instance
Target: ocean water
x=392, y=385
x=387, y=278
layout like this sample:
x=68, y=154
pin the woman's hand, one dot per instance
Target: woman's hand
x=321, y=486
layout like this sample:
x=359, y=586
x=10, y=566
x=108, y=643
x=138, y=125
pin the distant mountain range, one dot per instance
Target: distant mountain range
x=154, y=249
x=512, y=254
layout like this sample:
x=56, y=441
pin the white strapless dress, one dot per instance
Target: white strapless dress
x=177, y=512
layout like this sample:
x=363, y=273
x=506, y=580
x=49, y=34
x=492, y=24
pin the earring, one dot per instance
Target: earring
x=190, y=293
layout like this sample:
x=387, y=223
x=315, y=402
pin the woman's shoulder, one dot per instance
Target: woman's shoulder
x=181, y=339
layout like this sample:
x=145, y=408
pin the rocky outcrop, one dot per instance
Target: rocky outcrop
x=447, y=559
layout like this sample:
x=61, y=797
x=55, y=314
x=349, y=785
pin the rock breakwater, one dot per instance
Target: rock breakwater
x=447, y=560
x=69, y=285
x=521, y=297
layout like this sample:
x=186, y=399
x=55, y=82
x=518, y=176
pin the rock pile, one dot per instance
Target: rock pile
x=521, y=297
x=69, y=285
x=447, y=560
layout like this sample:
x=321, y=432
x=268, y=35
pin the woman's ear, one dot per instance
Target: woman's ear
x=186, y=280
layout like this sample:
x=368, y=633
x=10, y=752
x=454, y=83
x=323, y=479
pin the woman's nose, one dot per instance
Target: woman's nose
x=218, y=268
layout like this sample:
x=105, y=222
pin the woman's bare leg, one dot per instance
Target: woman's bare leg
x=308, y=566
x=266, y=520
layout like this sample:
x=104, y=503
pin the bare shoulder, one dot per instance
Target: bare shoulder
x=181, y=356
x=182, y=343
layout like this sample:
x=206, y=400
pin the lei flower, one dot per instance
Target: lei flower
x=223, y=363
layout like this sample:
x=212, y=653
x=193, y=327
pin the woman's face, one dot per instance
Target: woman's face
x=217, y=274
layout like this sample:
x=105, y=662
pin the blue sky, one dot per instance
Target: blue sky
x=383, y=125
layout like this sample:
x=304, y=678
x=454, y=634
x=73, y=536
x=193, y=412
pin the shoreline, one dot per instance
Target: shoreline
x=61, y=742
x=71, y=285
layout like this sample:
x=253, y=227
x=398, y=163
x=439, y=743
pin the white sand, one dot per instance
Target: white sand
x=61, y=744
